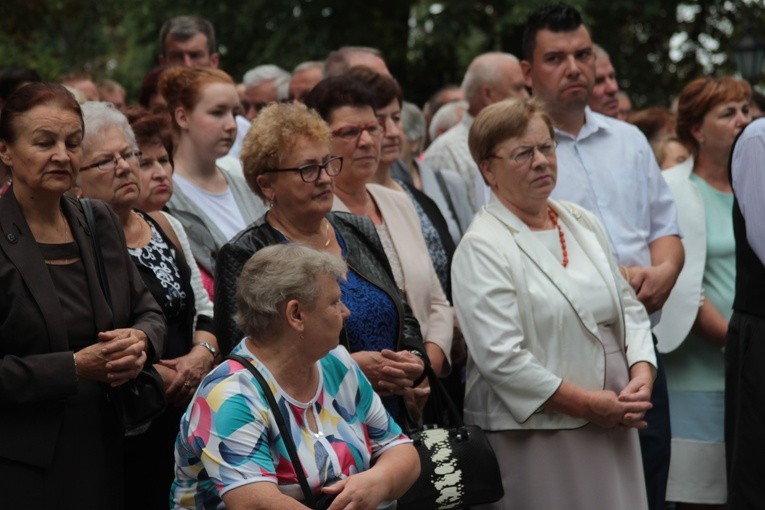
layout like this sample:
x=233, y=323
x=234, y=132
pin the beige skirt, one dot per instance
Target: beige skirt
x=582, y=469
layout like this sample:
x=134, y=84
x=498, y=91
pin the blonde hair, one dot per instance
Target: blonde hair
x=276, y=132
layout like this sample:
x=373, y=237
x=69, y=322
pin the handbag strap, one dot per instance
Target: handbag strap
x=441, y=401
x=90, y=221
x=448, y=196
x=283, y=429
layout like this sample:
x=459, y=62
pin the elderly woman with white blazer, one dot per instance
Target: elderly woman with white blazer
x=561, y=361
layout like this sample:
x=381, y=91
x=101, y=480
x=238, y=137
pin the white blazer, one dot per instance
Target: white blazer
x=526, y=327
x=682, y=306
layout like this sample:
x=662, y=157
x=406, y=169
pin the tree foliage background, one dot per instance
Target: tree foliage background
x=427, y=43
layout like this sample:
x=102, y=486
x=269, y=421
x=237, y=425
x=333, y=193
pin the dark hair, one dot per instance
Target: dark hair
x=183, y=28
x=151, y=128
x=557, y=17
x=150, y=86
x=758, y=98
x=30, y=96
x=12, y=77
x=384, y=88
x=654, y=122
x=337, y=91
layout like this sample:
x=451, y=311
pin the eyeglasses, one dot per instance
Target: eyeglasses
x=310, y=173
x=526, y=154
x=110, y=164
x=354, y=132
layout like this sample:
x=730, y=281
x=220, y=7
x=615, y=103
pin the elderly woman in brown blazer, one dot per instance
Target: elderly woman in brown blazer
x=61, y=345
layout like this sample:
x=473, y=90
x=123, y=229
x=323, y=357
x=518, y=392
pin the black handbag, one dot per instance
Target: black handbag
x=319, y=503
x=458, y=467
x=140, y=400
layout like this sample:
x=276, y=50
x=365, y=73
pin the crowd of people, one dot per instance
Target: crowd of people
x=586, y=279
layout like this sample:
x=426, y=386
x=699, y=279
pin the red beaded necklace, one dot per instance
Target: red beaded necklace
x=561, y=235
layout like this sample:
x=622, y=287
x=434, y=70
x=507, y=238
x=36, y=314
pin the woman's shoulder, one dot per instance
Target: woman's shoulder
x=391, y=200
x=354, y=224
x=228, y=379
x=102, y=213
x=256, y=235
x=341, y=371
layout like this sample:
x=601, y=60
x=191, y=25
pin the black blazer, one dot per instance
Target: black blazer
x=36, y=365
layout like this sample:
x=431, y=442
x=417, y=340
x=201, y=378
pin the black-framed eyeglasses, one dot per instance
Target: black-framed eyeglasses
x=354, y=132
x=310, y=173
x=526, y=154
x=110, y=164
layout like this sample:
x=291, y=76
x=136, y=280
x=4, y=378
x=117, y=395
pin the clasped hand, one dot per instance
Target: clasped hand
x=625, y=410
x=182, y=375
x=391, y=372
x=117, y=357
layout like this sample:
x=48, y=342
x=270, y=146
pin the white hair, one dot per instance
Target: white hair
x=99, y=116
x=483, y=69
x=447, y=116
x=266, y=73
x=413, y=121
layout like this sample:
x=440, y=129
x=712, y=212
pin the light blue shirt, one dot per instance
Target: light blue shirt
x=609, y=169
x=749, y=183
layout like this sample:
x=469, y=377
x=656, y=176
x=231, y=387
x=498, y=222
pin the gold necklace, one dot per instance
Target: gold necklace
x=281, y=231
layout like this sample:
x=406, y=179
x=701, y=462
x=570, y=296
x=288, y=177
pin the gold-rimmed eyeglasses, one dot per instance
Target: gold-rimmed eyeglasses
x=526, y=154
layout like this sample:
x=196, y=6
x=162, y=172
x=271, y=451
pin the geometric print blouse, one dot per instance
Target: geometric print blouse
x=228, y=436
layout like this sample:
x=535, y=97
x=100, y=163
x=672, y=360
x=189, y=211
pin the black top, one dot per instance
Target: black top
x=167, y=275
x=750, y=272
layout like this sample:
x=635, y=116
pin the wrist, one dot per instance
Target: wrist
x=208, y=347
x=424, y=373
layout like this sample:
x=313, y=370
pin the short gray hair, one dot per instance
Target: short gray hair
x=446, y=117
x=413, y=121
x=308, y=64
x=269, y=72
x=99, y=116
x=483, y=69
x=184, y=28
x=275, y=275
x=337, y=60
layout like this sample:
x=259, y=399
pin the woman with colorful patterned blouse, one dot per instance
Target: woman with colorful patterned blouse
x=230, y=448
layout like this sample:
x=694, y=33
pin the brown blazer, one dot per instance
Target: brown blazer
x=36, y=365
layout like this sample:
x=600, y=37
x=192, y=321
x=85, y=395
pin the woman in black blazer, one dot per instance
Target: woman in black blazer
x=61, y=345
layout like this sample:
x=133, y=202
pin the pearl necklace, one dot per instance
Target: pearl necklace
x=561, y=235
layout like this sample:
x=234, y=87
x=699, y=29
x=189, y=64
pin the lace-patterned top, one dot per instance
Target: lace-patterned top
x=436, y=248
x=160, y=258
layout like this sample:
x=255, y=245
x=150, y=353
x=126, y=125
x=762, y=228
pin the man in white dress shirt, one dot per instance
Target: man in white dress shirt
x=607, y=166
x=491, y=77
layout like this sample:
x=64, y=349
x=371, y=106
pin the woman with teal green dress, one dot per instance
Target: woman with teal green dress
x=711, y=112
